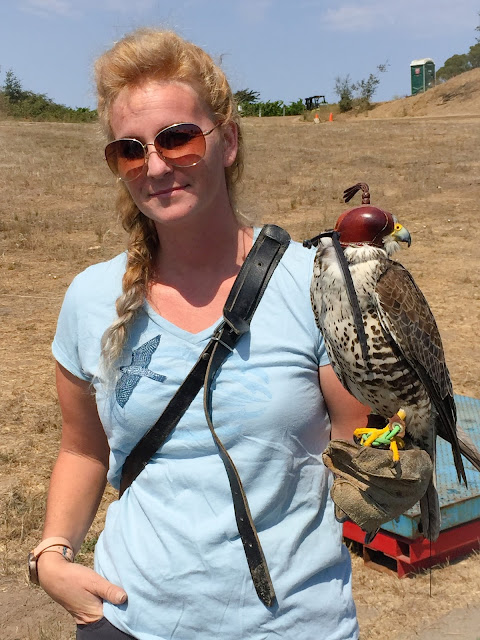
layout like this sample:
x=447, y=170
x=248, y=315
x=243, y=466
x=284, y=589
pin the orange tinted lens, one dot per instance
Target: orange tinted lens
x=182, y=144
x=126, y=158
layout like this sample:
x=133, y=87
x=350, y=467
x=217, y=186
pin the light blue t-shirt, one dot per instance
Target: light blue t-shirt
x=171, y=541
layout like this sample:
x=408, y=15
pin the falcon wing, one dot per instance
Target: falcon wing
x=405, y=315
x=125, y=387
x=143, y=355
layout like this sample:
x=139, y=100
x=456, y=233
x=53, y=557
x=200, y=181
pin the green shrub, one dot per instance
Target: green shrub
x=272, y=108
x=344, y=88
x=17, y=103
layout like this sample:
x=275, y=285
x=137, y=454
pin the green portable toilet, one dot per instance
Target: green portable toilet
x=422, y=74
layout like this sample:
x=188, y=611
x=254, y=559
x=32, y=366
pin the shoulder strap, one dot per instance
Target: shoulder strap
x=244, y=297
x=241, y=303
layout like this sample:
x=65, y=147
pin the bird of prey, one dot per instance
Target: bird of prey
x=138, y=368
x=391, y=357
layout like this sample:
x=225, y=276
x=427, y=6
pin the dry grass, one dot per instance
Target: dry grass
x=56, y=217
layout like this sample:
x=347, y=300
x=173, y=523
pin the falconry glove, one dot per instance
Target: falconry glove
x=369, y=488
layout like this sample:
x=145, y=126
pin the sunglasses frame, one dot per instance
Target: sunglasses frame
x=149, y=144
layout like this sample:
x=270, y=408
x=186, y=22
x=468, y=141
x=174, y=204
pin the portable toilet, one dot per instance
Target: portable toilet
x=422, y=75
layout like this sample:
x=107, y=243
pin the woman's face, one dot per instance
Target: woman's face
x=164, y=193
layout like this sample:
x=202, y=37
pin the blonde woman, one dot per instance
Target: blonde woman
x=170, y=563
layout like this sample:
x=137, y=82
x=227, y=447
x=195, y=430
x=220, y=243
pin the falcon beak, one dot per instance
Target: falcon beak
x=401, y=234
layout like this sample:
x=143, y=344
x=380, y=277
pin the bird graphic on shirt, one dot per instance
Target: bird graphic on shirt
x=137, y=369
x=392, y=358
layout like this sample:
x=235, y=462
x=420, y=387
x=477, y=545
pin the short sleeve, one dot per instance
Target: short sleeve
x=322, y=354
x=65, y=347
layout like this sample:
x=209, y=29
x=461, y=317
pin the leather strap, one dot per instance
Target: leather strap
x=241, y=304
x=239, y=308
x=154, y=438
x=246, y=528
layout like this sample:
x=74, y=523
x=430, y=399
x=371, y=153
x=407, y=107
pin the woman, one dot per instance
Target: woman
x=170, y=563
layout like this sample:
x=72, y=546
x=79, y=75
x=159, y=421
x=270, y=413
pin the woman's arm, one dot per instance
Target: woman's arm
x=346, y=413
x=76, y=488
x=79, y=476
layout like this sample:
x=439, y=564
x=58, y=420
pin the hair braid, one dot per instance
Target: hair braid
x=142, y=246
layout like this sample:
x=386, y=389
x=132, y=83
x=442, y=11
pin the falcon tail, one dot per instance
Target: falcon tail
x=430, y=513
x=467, y=448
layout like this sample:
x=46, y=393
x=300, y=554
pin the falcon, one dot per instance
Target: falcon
x=382, y=339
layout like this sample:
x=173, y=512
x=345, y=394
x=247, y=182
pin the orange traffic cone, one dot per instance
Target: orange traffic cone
x=316, y=119
x=330, y=117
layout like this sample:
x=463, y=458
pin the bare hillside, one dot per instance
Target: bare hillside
x=459, y=96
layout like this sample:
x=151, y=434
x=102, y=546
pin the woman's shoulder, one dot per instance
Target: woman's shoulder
x=298, y=261
x=300, y=253
x=109, y=268
x=100, y=281
x=293, y=275
x=103, y=273
x=296, y=253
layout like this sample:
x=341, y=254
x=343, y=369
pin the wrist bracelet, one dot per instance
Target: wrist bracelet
x=56, y=544
x=63, y=551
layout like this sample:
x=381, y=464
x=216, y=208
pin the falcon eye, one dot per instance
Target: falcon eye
x=398, y=227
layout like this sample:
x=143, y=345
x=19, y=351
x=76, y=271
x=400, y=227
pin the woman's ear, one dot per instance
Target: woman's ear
x=230, y=143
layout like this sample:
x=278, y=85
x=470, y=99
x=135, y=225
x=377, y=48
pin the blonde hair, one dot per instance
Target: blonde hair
x=145, y=55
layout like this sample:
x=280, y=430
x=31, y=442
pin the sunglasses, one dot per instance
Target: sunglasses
x=180, y=145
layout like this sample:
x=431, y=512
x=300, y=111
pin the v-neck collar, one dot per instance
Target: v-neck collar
x=173, y=329
x=183, y=334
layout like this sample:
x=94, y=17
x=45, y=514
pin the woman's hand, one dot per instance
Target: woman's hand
x=80, y=590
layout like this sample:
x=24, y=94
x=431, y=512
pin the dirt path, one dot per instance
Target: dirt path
x=27, y=613
x=459, y=624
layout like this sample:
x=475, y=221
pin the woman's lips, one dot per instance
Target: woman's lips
x=165, y=192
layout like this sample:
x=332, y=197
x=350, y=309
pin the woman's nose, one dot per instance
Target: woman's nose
x=156, y=165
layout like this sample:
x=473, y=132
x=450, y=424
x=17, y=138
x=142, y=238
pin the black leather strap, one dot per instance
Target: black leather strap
x=239, y=308
x=241, y=304
x=154, y=438
x=246, y=528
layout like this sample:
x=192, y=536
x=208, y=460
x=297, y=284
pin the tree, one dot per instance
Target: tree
x=459, y=63
x=474, y=55
x=358, y=93
x=12, y=87
x=344, y=89
x=246, y=96
x=295, y=108
x=273, y=108
x=366, y=88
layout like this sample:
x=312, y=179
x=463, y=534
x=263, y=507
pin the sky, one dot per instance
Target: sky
x=284, y=49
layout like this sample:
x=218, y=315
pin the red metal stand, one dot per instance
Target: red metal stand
x=403, y=556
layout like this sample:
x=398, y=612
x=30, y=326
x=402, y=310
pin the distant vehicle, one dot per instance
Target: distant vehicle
x=313, y=102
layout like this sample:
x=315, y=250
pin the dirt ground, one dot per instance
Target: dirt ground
x=56, y=218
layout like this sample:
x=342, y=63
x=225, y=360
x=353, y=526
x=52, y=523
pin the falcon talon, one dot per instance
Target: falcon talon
x=394, y=449
x=369, y=436
x=388, y=437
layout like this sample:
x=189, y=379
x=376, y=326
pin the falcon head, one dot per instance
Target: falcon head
x=369, y=225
